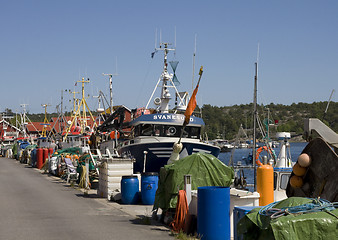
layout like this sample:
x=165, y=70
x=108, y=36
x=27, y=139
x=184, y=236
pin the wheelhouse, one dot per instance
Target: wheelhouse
x=166, y=125
x=162, y=130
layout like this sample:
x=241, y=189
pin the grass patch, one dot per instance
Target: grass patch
x=183, y=236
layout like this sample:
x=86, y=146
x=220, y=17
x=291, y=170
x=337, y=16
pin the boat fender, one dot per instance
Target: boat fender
x=298, y=170
x=296, y=181
x=175, y=155
x=304, y=160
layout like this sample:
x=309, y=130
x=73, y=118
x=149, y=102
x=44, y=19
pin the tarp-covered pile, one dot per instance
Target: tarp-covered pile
x=205, y=170
x=68, y=151
x=314, y=225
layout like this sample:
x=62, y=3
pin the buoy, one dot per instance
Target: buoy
x=265, y=184
x=298, y=170
x=296, y=181
x=112, y=135
x=304, y=160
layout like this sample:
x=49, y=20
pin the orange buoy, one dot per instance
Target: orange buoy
x=304, y=160
x=39, y=157
x=296, y=181
x=265, y=184
x=112, y=135
x=298, y=170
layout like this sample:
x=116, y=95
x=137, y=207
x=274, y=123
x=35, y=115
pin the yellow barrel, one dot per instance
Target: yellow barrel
x=265, y=184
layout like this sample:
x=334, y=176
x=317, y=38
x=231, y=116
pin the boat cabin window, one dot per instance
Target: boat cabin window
x=284, y=179
x=166, y=131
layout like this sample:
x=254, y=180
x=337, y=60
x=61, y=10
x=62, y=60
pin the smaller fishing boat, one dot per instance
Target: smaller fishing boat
x=224, y=145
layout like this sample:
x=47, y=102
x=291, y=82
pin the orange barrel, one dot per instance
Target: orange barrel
x=265, y=184
x=45, y=154
x=39, y=157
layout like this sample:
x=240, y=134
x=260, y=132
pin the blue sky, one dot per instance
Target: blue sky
x=46, y=46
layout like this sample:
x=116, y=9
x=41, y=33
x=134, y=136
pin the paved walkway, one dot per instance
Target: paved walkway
x=39, y=206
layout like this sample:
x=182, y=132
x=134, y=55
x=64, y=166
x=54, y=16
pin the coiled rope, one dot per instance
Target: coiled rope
x=316, y=205
x=181, y=211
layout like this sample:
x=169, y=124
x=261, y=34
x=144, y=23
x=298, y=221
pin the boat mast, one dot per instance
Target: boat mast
x=45, y=121
x=254, y=125
x=167, y=81
x=111, y=87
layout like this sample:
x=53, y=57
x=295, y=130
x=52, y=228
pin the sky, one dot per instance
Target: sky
x=46, y=46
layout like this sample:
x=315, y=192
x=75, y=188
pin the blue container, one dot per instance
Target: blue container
x=33, y=157
x=129, y=189
x=213, y=212
x=239, y=213
x=149, y=185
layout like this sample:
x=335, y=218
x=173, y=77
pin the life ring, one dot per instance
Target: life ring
x=259, y=150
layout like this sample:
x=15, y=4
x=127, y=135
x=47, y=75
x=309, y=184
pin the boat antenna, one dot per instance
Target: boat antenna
x=175, y=44
x=193, y=65
x=327, y=106
x=155, y=38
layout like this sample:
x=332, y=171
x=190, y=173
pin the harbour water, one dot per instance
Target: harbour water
x=296, y=149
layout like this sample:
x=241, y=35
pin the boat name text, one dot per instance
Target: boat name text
x=173, y=117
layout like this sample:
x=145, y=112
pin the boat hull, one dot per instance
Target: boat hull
x=158, y=153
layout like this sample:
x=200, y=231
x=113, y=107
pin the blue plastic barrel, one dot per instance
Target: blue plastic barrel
x=149, y=185
x=33, y=157
x=213, y=212
x=129, y=189
x=239, y=213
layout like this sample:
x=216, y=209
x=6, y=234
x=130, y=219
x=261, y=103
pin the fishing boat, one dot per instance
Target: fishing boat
x=154, y=132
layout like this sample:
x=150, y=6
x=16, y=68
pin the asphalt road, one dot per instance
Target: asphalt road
x=37, y=206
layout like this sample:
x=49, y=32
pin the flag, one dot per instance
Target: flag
x=153, y=53
x=191, y=106
x=192, y=102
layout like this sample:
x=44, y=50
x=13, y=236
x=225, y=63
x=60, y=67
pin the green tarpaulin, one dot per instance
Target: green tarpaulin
x=317, y=225
x=205, y=170
x=71, y=151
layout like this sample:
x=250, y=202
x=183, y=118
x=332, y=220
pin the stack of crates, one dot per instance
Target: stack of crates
x=111, y=171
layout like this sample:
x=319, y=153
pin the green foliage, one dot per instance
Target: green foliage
x=224, y=122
